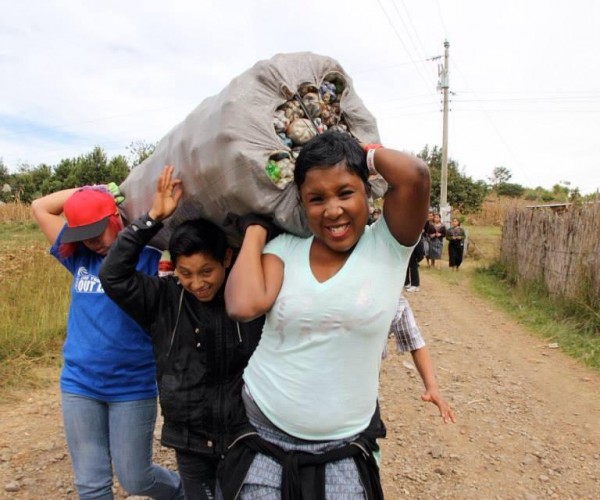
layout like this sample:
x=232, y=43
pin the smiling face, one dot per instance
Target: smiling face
x=336, y=206
x=201, y=275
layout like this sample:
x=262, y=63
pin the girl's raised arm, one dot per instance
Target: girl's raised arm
x=406, y=202
x=47, y=213
x=255, y=279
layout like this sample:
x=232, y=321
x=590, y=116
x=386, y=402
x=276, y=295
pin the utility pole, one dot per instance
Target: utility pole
x=444, y=85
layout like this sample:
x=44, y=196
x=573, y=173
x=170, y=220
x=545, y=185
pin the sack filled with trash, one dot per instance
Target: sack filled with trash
x=235, y=152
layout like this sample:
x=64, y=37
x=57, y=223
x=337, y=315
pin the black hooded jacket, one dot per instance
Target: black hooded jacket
x=200, y=353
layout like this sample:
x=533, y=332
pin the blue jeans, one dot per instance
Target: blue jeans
x=100, y=435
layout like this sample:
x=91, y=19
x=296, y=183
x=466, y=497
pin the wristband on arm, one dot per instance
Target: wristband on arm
x=370, y=150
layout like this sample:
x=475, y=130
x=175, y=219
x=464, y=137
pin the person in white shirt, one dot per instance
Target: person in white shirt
x=312, y=383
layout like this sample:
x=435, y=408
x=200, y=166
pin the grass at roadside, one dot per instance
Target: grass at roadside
x=575, y=329
x=33, y=303
x=483, y=244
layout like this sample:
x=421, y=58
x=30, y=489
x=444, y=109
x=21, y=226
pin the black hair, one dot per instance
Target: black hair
x=329, y=149
x=198, y=236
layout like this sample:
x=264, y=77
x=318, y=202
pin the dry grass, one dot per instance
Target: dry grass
x=14, y=212
x=34, y=295
x=483, y=243
x=494, y=209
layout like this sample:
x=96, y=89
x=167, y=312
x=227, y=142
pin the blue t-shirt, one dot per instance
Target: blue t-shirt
x=315, y=371
x=107, y=356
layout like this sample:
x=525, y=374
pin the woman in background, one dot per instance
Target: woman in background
x=426, y=241
x=437, y=233
x=456, y=242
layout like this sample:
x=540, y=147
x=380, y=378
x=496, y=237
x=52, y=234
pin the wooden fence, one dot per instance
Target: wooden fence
x=558, y=248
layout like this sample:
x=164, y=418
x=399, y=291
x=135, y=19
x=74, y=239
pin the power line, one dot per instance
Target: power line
x=534, y=92
x=427, y=83
x=539, y=111
x=416, y=34
x=582, y=99
x=493, y=124
x=407, y=28
x=442, y=19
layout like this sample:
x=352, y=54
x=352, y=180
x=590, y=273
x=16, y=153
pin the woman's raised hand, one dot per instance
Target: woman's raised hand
x=167, y=195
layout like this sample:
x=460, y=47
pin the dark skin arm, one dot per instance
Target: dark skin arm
x=406, y=203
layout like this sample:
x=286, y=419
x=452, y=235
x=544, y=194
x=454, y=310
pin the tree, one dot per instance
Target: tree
x=575, y=196
x=22, y=184
x=500, y=175
x=139, y=151
x=562, y=190
x=118, y=169
x=5, y=195
x=41, y=176
x=4, y=175
x=510, y=189
x=463, y=192
x=92, y=168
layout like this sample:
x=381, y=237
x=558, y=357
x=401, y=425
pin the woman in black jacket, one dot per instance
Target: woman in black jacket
x=200, y=353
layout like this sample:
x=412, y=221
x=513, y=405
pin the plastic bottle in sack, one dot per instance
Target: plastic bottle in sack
x=272, y=170
x=165, y=266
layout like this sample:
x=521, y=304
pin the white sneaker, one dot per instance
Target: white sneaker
x=412, y=289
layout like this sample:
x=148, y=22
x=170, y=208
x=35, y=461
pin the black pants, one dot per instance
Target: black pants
x=412, y=273
x=198, y=474
x=455, y=253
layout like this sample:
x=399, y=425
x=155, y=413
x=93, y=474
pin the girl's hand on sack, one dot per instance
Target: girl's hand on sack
x=243, y=222
x=167, y=195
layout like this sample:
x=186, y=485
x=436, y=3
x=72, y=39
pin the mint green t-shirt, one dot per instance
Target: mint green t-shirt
x=315, y=371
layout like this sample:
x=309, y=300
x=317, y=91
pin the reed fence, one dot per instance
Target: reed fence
x=559, y=248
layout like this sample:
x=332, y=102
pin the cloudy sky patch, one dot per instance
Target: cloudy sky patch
x=525, y=75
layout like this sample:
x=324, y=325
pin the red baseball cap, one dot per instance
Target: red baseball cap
x=87, y=212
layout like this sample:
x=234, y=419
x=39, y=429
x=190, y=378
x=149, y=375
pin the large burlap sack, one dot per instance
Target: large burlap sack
x=221, y=149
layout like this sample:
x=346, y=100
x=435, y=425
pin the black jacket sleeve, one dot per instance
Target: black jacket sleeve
x=133, y=291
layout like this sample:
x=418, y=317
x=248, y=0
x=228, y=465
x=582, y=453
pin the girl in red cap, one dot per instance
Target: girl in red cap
x=108, y=387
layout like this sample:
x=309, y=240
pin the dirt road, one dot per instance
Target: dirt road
x=528, y=417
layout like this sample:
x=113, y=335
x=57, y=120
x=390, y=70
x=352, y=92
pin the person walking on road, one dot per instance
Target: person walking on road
x=437, y=233
x=200, y=352
x=308, y=399
x=108, y=378
x=456, y=242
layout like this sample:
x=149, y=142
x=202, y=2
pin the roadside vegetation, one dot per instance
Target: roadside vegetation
x=34, y=299
x=566, y=325
x=571, y=326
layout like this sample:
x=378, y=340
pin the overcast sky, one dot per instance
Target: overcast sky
x=525, y=74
